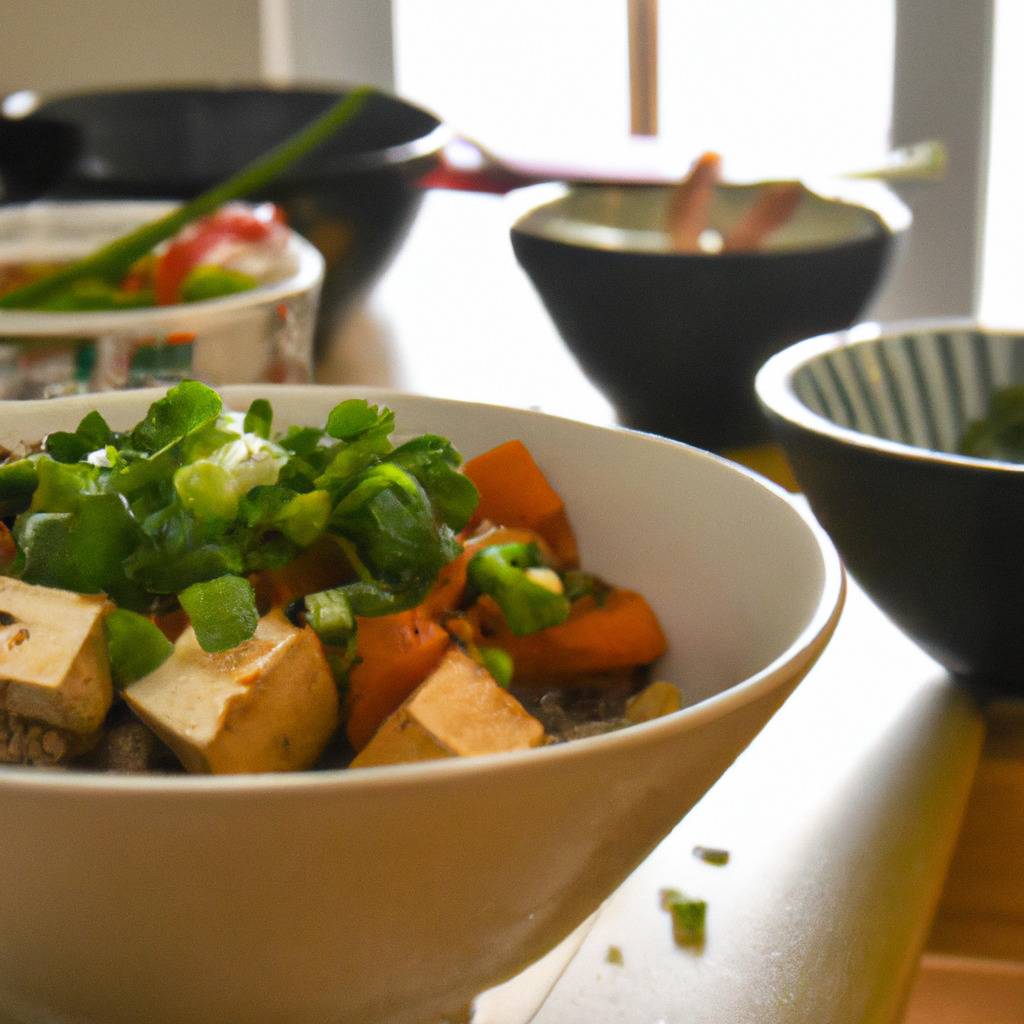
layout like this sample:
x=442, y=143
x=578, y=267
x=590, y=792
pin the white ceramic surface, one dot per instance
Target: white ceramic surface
x=396, y=894
x=262, y=334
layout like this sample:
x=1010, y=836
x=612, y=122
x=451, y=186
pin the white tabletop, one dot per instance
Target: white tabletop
x=840, y=818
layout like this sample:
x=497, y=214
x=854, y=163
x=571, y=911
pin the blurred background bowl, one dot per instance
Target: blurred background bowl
x=674, y=339
x=264, y=334
x=871, y=420
x=353, y=198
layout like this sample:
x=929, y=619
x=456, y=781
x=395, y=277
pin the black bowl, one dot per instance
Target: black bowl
x=674, y=339
x=354, y=198
x=871, y=421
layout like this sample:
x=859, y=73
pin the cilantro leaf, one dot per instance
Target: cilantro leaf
x=259, y=418
x=185, y=408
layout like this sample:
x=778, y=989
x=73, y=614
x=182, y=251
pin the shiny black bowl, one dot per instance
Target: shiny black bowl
x=354, y=198
x=872, y=421
x=674, y=339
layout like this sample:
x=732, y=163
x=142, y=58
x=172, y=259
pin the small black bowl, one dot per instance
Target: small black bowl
x=871, y=420
x=354, y=197
x=674, y=339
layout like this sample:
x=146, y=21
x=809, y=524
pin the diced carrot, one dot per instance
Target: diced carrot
x=514, y=492
x=8, y=549
x=621, y=632
x=397, y=652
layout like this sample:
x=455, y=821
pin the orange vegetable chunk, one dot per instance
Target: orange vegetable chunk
x=397, y=652
x=620, y=633
x=514, y=492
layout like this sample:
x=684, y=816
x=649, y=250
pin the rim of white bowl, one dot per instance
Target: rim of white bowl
x=798, y=656
x=307, y=276
x=774, y=385
x=892, y=215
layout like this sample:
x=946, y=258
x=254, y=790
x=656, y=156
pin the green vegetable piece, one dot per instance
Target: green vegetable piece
x=259, y=418
x=369, y=598
x=135, y=646
x=350, y=419
x=711, y=855
x=1000, y=434
x=330, y=615
x=688, y=917
x=82, y=550
x=433, y=461
x=18, y=480
x=499, y=570
x=206, y=490
x=222, y=611
x=305, y=517
x=91, y=434
x=301, y=440
x=212, y=282
x=614, y=956
x=185, y=408
x=388, y=518
x=499, y=663
x=112, y=261
x=61, y=486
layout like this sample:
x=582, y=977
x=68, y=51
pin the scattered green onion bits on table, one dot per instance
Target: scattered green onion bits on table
x=688, y=917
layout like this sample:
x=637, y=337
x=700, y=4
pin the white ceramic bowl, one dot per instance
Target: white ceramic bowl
x=395, y=894
x=258, y=335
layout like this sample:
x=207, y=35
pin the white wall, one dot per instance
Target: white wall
x=64, y=45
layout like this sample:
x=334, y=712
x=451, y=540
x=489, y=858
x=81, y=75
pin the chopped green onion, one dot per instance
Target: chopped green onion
x=688, y=917
x=222, y=611
x=135, y=646
x=711, y=855
x=330, y=616
x=499, y=663
x=500, y=572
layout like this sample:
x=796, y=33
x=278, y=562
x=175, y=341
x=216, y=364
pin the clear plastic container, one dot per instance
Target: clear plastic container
x=262, y=335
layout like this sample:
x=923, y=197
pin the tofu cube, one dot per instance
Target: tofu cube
x=457, y=711
x=53, y=656
x=268, y=705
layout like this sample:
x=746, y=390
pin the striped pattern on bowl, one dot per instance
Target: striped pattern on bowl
x=921, y=389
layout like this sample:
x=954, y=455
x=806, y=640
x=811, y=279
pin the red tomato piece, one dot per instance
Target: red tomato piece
x=189, y=249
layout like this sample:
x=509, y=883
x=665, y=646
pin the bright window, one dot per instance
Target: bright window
x=783, y=85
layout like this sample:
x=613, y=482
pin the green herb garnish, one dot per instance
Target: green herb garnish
x=1000, y=434
x=184, y=506
x=711, y=855
x=688, y=917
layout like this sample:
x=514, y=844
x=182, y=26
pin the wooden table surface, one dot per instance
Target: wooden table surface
x=840, y=818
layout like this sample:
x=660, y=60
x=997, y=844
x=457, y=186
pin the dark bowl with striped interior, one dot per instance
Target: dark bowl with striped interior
x=874, y=421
